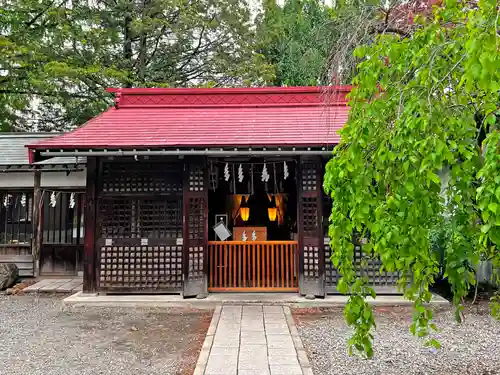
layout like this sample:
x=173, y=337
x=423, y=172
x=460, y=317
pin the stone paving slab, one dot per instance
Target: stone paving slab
x=252, y=340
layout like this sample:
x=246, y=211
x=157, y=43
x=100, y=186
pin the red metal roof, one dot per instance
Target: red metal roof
x=276, y=116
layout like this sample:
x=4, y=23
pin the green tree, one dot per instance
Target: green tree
x=296, y=39
x=57, y=57
x=421, y=105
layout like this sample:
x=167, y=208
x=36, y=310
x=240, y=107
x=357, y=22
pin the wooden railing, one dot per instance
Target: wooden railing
x=252, y=266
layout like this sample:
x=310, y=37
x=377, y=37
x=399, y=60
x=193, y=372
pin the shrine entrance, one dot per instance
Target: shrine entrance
x=252, y=226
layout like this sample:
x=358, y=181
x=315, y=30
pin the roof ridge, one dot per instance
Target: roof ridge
x=230, y=97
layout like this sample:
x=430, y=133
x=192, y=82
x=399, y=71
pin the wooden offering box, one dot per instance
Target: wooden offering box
x=260, y=232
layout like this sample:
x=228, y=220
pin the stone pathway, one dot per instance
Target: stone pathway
x=69, y=285
x=253, y=340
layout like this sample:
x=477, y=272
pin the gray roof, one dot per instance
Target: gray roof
x=14, y=153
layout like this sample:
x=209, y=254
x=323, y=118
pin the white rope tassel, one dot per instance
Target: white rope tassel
x=240, y=173
x=226, y=172
x=265, y=174
x=6, y=200
x=72, y=201
x=285, y=171
x=53, y=199
x=23, y=200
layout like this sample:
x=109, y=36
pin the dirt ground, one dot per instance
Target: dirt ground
x=38, y=336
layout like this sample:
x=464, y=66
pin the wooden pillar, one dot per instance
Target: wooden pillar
x=36, y=240
x=195, y=243
x=310, y=227
x=90, y=217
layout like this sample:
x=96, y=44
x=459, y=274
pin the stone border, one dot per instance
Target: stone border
x=215, y=300
x=201, y=364
x=297, y=342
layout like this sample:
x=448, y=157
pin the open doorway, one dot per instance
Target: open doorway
x=257, y=202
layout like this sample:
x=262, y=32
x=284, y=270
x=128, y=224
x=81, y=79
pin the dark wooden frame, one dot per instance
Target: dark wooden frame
x=90, y=250
x=195, y=277
x=311, y=247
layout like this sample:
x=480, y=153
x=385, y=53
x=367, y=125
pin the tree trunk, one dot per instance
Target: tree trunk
x=127, y=44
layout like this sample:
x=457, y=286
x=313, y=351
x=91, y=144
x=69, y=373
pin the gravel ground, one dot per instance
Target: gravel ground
x=38, y=336
x=470, y=348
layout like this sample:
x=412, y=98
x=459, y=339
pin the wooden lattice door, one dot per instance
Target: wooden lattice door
x=310, y=218
x=140, y=218
x=195, y=228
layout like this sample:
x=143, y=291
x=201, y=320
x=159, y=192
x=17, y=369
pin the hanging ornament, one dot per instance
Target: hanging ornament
x=285, y=171
x=265, y=174
x=214, y=176
x=53, y=199
x=23, y=200
x=72, y=200
x=6, y=201
x=244, y=237
x=254, y=236
x=240, y=173
x=226, y=172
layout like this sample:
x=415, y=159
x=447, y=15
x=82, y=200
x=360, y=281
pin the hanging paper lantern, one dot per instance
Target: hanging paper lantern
x=226, y=172
x=23, y=200
x=244, y=213
x=240, y=173
x=272, y=212
x=72, y=200
x=53, y=199
x=285, y=171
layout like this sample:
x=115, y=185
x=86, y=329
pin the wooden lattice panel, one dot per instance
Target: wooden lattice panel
x=309, y=177
x=140, y=268
x=196, y=178
x=141, y=177
x=196, y=207
x=161, y=218
x=310, y=215
x=372, y=270
x=331, y=274
x=311, y=262
x=196, y=235
x=134, y=218
x=116, y=216
x=375, y=278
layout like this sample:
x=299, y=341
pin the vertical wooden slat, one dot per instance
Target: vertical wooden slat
x=244, y=266
x=225, y=265
x=219, y=264
x=230, y=265
x=211, y=261
x=259, y=253
x=234, y=266
x=273, y=278
x=287, y=267
x=282, y=265
x=254, y=251
x=292, y=268
x=267, y=267
x=239, y=265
